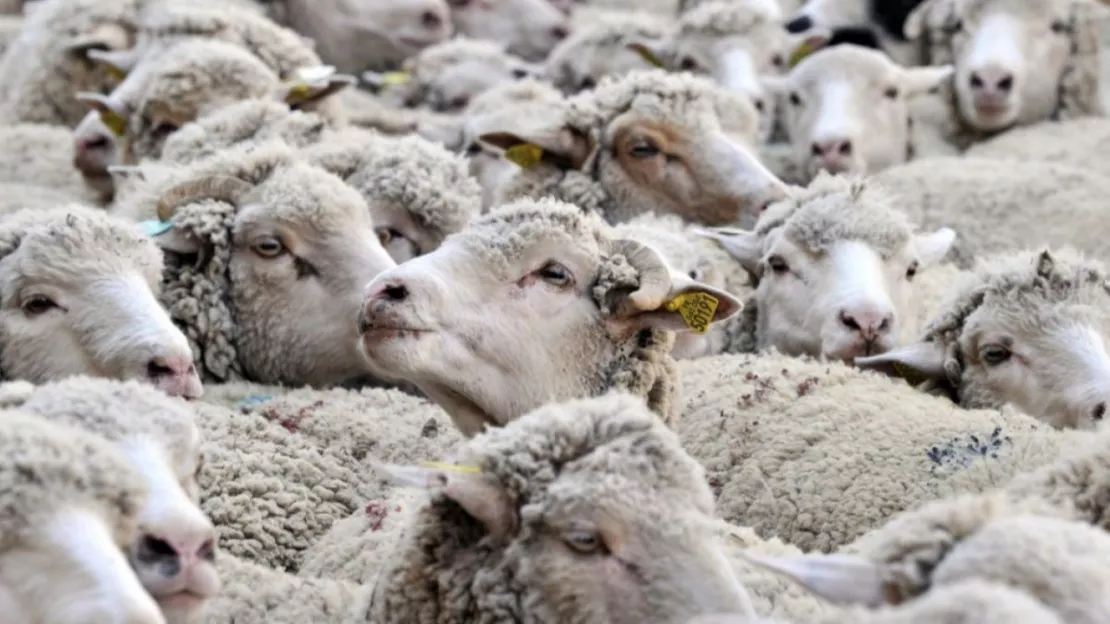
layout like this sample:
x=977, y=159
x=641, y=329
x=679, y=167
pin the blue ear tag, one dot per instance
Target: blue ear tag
x=154, y=227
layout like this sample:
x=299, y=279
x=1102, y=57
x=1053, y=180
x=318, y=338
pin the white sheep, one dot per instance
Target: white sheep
x=44, y=155
x=838, y=271
x=527, y=28
x=71, y=507
x=1017, y=63
x=646, y=142
x=1024, y=328
x=447, y=76
x=1075, y=142
x=267, y=259
x=418, y=192
x=576, y=496
x=847, y=109
x=173, y=556
x=78, y=295
x=999, y=205
x=599, y=310
x=599, y=48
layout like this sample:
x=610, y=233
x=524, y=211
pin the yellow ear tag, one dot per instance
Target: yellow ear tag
x=802, y=51
x=395, y=78
x=452, y=467
x=525, y=155
x=298, y=92
x=650, y=57
x=115, y=122
x=115, y=72
x=911, y=375
x=696, y=308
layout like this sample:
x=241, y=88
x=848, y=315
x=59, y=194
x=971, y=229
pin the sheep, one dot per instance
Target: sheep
x=10, y=28
x=446, y=76
x=837, y=272
x=552, y=491
x=1023, y=328
x=71, y=506
x=647, y=142
x=1025, y=545
x=1017, y=63
x=817, y=453
x=15, y=197
x=191, y=78
x=527, y=28
x=418, y=192
x=44, y=155
x=50, y=61
x=847, y=109
x=609, y=306
x=78, y=296
x=375, y=35
x=875, y=23
x=599, y=48
x=95, y=151
x=1042, y=204
x=1075, y=142
x=173, y=556
x=688, y=252
x=267, y=257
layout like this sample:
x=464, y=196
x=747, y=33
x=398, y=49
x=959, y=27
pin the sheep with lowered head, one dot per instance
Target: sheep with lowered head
x=1016, y=62
x=78, y=296
x=447, y=76
x=586, y=509
x=174, y=553
x=71, y=508
x=600, y=48
x=1029, y=329
x=837, y=272
x=601, y=310
x=418, y=192
x=268, y=256
x=847, y=109
x=646, y=142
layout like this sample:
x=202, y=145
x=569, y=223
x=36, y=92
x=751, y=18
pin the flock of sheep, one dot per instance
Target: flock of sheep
x=445, y=311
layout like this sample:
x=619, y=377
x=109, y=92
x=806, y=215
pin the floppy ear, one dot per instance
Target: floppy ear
x=932, y=248
x=650, y=51
x=916, y=363
x=914, y=26
x=841, y=579
x=532, y=141
x=480, y=495
x=309, y=85
x=917, y=80
x=745, y=247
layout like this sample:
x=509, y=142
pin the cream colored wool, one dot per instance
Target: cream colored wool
x=42, y=155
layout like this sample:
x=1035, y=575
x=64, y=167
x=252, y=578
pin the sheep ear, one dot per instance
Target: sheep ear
x=915, y=363
x=560, y=145
x=932, y=248
x=650, y=51
x=841, y=579
x=917, y=80
x=480, y=495
x=312, y=84
x=102, y=37
x=691, y=306
x=171, y=239
x=746, y=247
x=914, y=25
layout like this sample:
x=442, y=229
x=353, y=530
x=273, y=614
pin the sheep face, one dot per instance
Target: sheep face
x=1023, y=332
x=71, y=507
x=527, y=28
x=621, y=531
x=834, y=270
x=684, y=151
x=588, y=55
x=1009, y=56
x=519, y=309
x=847, y=109
x=78, y=296
x=95, y=149
x=355, y=35
x=300, y=247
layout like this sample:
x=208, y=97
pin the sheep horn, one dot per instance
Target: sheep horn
x=655, y=277
x=218, y=187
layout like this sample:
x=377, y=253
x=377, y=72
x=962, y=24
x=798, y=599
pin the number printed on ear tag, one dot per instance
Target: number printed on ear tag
x=697, y=309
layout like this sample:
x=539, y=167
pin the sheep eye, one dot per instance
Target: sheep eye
x=585, y=542
x=164, y=128
x=778, y=265
x=473, y=149
x=459, y=102
x=759, y=105
x=694, y=274
x=587, y=83
x=795, y=99
x=386, y=235
x=555, y=274
x=994, y=354
x=1060, y=27
x=268, y=247
x=912, y=270
x=520, y=73
x=38, y=304
x=778, y=61
x=644, y=149
x=891, y=93
x=687, y=64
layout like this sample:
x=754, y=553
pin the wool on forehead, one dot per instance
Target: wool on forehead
x=836, y=209
x=502, y=236
x=723, y=20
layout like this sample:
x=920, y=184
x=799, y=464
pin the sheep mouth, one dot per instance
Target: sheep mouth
x=183, y=600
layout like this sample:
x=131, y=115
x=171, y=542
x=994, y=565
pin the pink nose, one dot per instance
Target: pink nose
x=869, y=322
x=91, y=154
x=172, y=557
x=833, y=154
x=175, y=375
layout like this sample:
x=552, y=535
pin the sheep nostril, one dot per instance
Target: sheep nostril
x=1099, y=411
x=430, y=20
x=396, y=292
x=154, y=370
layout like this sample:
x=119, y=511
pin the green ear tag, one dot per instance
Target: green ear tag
x=154, y=227
x=805, y=49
